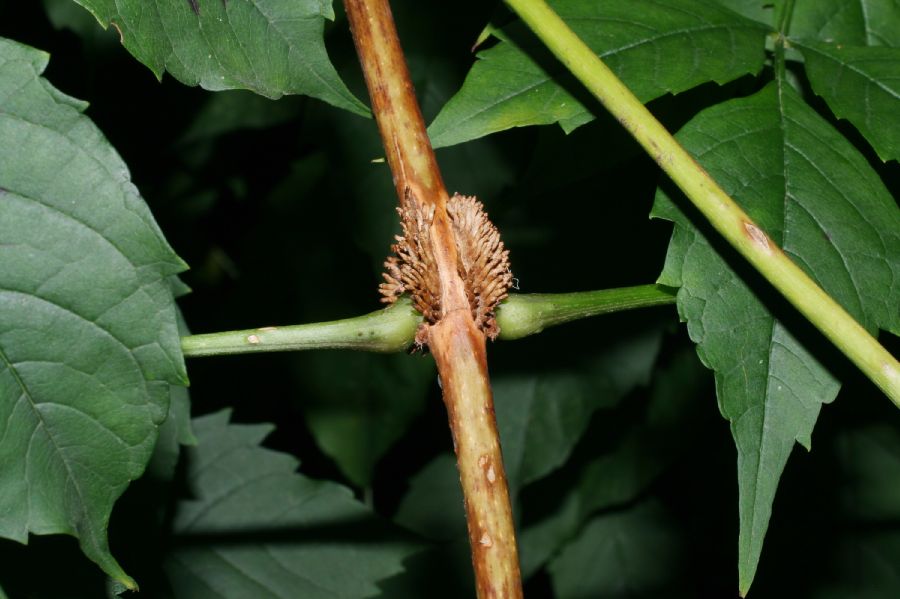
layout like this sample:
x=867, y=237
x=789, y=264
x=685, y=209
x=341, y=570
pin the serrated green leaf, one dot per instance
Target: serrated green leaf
x=271, y=47
x=854, y=22
x=356, y=419
x=758, y=10
x=655, y=46
x=620, y=473
x=433, y=506
x=542, y=416
x=818, y=198
x=443, y=571
x=175, y=430
x=254, y=527
x=861, y=85
x=88, y=339
x=630, y=553
x=66, y=14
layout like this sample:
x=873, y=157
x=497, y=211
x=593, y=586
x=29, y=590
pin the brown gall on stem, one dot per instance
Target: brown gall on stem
x=483, y=263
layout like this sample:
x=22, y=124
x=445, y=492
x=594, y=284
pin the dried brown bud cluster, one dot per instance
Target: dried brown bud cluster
x=483, y=262
x=412, y=269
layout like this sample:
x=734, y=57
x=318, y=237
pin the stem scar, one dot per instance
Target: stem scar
x=758, y=236
x=253, y=339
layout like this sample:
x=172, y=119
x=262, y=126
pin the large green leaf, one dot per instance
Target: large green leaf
x=541, y=416
x=655, y=46
x=624, y=468
x=361, y=403
x=758, y=10
x=853, y=22
x=629, y=553
x=861, y=85
x=271, y=47
x=433, y=506
x=88, y=339
x=820, y=200
x=254, y=527
x=175, y=431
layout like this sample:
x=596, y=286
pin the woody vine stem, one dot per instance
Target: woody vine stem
x=452, y=263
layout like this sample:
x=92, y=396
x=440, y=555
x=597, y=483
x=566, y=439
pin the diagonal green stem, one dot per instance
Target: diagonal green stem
x=723, y=213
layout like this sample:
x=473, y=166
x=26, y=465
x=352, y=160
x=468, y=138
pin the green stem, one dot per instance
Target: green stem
x=784, y=17
x=722, y=212
x=393, y=329
x=523, y=315
x=390, y=330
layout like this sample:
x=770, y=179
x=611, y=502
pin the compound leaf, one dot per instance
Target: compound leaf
x=89, y=344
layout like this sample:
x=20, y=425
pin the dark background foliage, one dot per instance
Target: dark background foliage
x=284, y=218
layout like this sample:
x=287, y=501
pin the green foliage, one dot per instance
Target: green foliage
x=859, y=84
x=255, y=528
x=361, y=404
x=821, y=202
x=852, y=22
x=272, y=47
x=88, y=340
x=607, y=480
x=541, y=417
x=596, y=562
x=621, y=469
x=682, y=43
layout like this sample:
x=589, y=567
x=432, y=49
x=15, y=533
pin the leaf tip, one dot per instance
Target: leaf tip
x=124, y=583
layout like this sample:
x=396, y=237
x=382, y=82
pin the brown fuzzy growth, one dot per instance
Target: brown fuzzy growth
x=412, y=268
x=483, y=263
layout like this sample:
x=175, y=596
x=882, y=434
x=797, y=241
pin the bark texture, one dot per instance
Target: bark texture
x=451, y=260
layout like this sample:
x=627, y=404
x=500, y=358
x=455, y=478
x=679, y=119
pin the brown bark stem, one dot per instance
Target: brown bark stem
x=455, y=340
